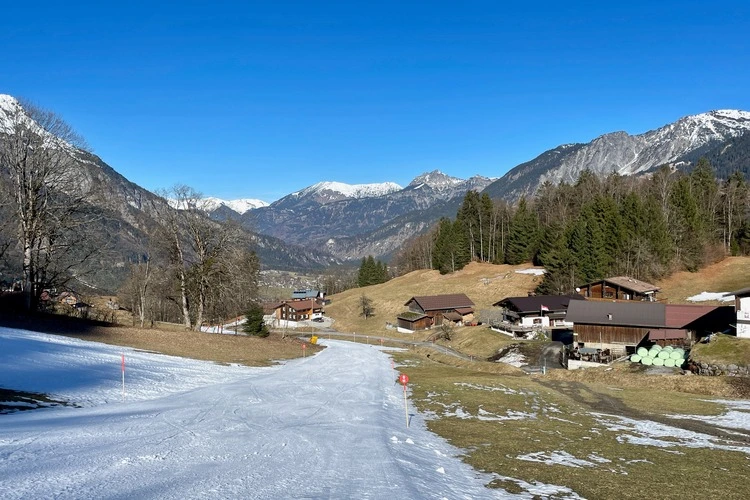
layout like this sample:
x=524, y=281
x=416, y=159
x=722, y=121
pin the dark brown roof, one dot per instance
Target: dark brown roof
x=744, y=292
x=534, y=303
x=627, y=283
x=644, y=314
x=681, y=315
x=453, y=316
x=464, y=310
x=442, y=302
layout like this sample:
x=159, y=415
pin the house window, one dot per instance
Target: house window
x=537, y=321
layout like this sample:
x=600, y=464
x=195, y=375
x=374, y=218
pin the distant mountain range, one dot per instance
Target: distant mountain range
x=332, y=222
x=353, y=221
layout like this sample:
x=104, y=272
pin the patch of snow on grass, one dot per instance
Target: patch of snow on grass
x=705, y=296
x=533, y=271
x=514, y=359
x=556, y=458
x=649, y=433
x=738, y=417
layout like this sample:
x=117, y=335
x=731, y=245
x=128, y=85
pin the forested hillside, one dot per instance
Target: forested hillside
x=643, y=227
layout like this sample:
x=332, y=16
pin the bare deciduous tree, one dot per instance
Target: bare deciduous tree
x=38, y=155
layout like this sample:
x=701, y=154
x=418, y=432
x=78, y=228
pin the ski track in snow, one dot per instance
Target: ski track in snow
x=326, y=426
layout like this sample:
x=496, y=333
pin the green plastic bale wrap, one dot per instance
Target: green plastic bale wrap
x=681, y=351
x=669, y=362
x=635, y=358
x=658, y=361
x=647, y=361
x=653, y=353
x=669, y=348
x=663, y=355
x=677, y=355
x=642, y=351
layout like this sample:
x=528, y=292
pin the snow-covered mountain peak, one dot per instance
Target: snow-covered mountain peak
x=240, y=206
x=340, y=189
x=436, y=180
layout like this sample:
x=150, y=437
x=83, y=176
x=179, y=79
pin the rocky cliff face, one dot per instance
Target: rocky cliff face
x=623, y=153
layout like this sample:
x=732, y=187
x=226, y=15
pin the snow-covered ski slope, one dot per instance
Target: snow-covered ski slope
x=328, y=426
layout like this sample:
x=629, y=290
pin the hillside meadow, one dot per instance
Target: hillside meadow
x=483, y=283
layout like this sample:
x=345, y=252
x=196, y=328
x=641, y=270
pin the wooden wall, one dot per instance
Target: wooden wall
x=610, y=334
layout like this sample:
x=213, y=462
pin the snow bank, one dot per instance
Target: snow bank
x=705, y=296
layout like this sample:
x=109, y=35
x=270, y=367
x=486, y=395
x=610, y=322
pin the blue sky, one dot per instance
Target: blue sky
x=259, y=99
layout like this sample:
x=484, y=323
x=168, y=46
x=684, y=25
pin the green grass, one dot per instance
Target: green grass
x=723, y=349
x=558, y=417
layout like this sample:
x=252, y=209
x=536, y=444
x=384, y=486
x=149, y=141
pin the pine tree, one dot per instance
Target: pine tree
x=523, y=236
x=254, y=324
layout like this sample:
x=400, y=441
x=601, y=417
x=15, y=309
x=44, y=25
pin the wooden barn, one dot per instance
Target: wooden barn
x=619, y=288
x=426, y=311
x=621, y=326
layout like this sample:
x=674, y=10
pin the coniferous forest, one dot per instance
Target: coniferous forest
x=642, y=227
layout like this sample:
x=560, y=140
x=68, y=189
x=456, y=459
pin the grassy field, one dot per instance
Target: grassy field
x=723, y=349
x=570, y=433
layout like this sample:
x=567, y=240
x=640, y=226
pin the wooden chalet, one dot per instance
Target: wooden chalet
x=622, y=326
x=540, y=311
x=429, y=310
x=742, y=312
x=299, y=310
x=619, y=288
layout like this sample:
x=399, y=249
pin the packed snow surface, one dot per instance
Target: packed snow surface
x=331, y=425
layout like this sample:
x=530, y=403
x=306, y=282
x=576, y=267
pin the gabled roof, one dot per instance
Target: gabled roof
x=525, y=305
x=641, y=314
x=301, y=305
x=442, y=302
x=628, y=283
x=306, y=294
x=744, y=292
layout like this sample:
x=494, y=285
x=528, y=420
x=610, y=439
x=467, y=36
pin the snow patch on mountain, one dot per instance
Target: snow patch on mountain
x=240, y=206
x=351, y=190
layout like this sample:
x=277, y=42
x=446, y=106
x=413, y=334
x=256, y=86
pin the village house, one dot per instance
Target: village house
x=742, y=312
x=298, y=310
x=536, y=311
x=430, y=310
x=619, y=288
x=622, y=326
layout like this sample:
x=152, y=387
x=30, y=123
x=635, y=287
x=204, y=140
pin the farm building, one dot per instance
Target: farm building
x=619, y=288
x=742, y=311
x=622, y=326
x=429, y=310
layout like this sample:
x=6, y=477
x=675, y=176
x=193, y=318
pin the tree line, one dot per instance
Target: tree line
x=643, y=227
